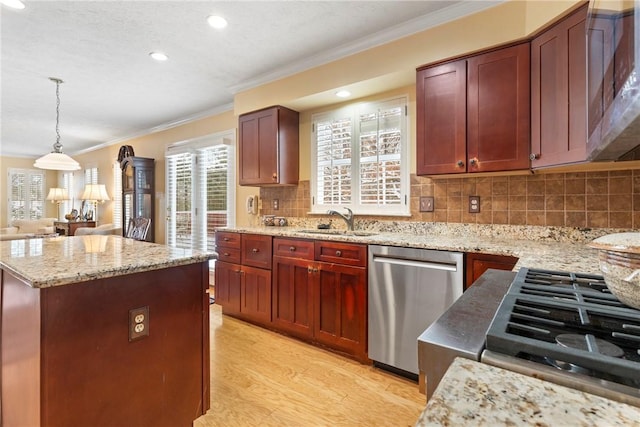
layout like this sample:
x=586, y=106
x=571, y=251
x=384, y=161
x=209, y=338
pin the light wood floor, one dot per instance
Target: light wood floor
x=260, y=378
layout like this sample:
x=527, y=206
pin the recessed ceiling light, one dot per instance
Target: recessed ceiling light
x=15, y=4
x=158, y=56
x=217, y=21
x=343, y=93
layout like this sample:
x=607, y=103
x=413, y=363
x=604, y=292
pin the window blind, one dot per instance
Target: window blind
x=117, y=194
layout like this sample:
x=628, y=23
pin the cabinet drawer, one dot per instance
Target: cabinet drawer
x=227, y=239
x=341, y=253
x=256, y=250
x=231, y=255
x=293, y=248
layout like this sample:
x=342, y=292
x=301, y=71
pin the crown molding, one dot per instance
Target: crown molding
x=162, y=127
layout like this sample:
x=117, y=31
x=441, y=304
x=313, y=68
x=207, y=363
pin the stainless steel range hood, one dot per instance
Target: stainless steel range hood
x=613, y=86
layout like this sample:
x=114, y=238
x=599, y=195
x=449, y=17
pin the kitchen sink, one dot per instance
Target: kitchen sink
x=338, y=232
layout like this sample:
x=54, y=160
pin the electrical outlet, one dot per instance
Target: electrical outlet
x=138, y=323
x=426, y=204
x=474, y=204
x=276, y=204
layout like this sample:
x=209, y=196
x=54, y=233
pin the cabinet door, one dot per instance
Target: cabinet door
x=228, y=287
x=558, y=93
x=292, y=291
x=255, y=294
x=600, y=75
x=498, y=106
x=259, y=147
x=477, y=263
x=441, y=119
x=340, y=310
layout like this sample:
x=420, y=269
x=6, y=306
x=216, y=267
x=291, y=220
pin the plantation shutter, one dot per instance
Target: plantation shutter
x=213, y=166
x=333, y=154
x=26, y=194
x=380, y=156
x=360, y=159
x=117, y=194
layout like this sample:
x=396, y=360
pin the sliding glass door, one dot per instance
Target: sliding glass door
x=200, y=190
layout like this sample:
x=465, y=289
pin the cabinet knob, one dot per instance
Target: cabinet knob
x=310, y=269
x=460, y=163
x=292, y=248
x=534, y=156
x=226, y=254
x=254, y=250
x=226, y=239
x=473, y=161
x=338, y=253
x=274, y=176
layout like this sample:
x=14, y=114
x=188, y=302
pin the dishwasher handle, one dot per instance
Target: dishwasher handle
x=416, y=263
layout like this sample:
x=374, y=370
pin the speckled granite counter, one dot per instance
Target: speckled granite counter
x=62, y=260
x=550, y=248
x=476, y=394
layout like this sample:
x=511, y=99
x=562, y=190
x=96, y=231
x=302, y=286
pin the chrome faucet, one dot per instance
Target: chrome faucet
x=348, y=217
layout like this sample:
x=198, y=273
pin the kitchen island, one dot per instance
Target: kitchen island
x=473, y=393
x=103, y=331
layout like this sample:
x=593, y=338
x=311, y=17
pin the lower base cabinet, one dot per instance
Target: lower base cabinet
x=255, y=294
x=321, y=302
x=228, y=287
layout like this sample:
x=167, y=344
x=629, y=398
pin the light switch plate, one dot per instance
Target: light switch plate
x=426, y=204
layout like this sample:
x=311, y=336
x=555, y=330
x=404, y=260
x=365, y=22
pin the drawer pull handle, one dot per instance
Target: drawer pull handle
x=338, y=253
x=226, y=254
x=292, y=248
x=254, y=250
x=226, y=239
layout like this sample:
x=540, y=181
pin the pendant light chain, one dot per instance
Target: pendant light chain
x=57, y=147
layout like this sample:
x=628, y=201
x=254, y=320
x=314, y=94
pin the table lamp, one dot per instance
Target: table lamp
x=94, y=194
x=57, y=195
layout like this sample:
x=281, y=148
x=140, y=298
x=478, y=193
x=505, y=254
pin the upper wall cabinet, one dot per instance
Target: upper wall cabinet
x=474, y=113
x=558, y=93
x=269, y=147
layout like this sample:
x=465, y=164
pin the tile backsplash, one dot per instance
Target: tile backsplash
x=609, y=199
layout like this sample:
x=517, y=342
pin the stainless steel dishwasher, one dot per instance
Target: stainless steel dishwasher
x=408, y=290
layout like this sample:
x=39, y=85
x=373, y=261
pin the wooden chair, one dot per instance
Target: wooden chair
x=138, y=228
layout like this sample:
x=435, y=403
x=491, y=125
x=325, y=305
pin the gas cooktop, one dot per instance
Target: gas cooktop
x=569, y=321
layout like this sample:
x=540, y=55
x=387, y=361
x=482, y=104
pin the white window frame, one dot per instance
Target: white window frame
x=354, y=111
x=28, y=173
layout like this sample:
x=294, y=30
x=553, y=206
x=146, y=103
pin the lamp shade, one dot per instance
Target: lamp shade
x=95, y=192
x=57, y=194
x=57, y=161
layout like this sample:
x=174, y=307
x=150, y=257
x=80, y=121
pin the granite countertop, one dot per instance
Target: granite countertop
x=473, y=394
x=536, y=247
x=63, y=260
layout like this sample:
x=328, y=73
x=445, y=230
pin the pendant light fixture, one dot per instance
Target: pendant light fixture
x=56, y=160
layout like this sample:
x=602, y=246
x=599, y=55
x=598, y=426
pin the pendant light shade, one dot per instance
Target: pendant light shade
x=57, y=160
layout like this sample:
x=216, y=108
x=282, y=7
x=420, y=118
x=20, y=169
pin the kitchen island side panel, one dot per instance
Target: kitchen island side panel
x=92, y=374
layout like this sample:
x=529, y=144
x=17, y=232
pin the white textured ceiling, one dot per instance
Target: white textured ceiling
x=113, y=90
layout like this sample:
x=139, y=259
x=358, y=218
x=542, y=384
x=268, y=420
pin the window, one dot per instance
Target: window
x=26, y=194
x=359, y=159
x=117, y=194
x=68, y=184
x=91, y=176
x=200, y=190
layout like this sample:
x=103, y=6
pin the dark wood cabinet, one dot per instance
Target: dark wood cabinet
x=478, y=263
x=68, y=228
x=228, y=286
x=243, y=276
x=474, y=113
x=340, y=308
x=442, y=119
x=138, y=192
x=268, y=145
x=320, y=293
x=558, y=93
